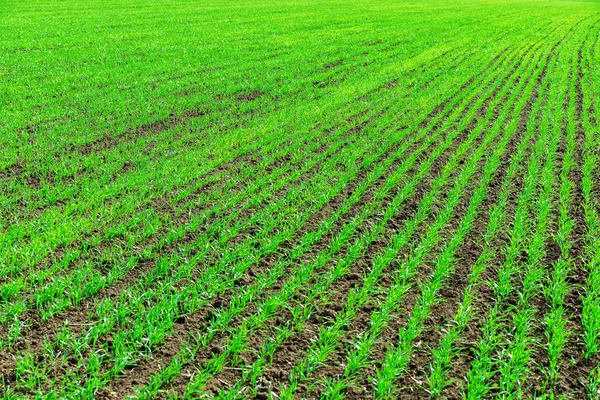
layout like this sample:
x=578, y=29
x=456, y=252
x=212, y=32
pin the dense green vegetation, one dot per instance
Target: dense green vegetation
x=318, y=199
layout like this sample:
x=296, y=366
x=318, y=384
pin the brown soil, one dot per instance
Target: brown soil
x=254, y=272
x=253, y=95
x=413, y=381
x=107, y=141
x=576, y=368
x=312, y=224
x=442, y=312
x=163, y=207
x=11, y=172
x=467, y=255
x=333, y=64
x=223, y=299
x=330, y=308
x=80, y=317
x=484, y=295
x=121, y=285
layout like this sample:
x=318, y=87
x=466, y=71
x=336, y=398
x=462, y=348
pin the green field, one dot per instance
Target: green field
x=300, y=199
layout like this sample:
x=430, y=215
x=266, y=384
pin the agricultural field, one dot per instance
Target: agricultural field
x=262, y=199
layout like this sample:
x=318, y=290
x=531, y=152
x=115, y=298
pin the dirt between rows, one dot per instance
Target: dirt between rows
x=230, y=373
x=163, y=207
x=76, y=318
x=129, y=279
x=294, y=348
x=443, y=310
x=78, y=315
x=552, y=255
x=569, y=383
x=467, y=255
x=38, y=179
x=574, y=377
x=147, y=371
x=483, y=293
x=334, y=366
x=326, y=309
x=572, y=380
x=223, y=299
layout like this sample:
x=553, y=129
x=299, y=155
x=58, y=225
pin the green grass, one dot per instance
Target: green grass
x=323, y=199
